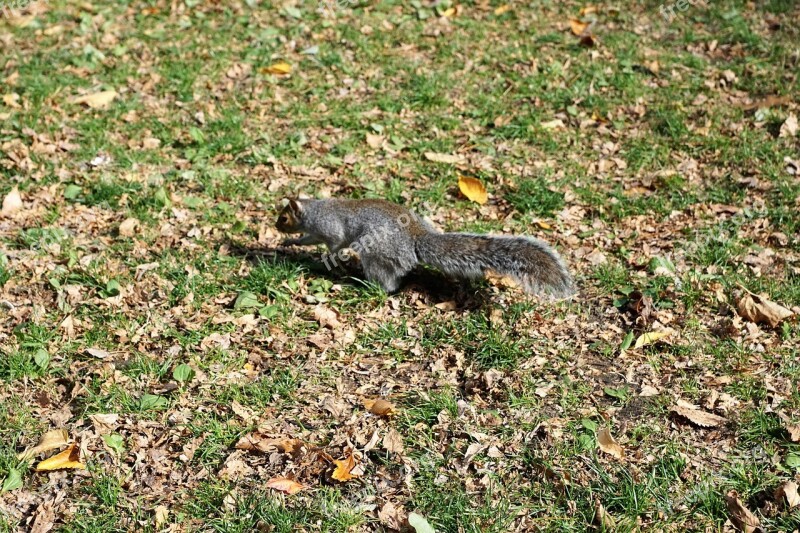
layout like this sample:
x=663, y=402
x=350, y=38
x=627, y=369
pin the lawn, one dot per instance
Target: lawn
x=202, y=377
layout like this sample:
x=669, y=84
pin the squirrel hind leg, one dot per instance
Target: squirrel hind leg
x=387, y=274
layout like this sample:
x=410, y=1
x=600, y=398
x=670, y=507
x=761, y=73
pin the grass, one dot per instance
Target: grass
x=666, y=192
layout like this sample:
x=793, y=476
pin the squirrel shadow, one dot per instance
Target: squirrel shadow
x=433, y=286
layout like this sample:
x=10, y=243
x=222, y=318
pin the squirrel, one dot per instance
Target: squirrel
x=391, y=240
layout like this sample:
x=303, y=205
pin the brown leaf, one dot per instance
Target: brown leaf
x=375, y=141
x=161, y=515
x=740, y=516
x=603, y=518
x=261, y=443
x=53, y=439
x=45, y=518
x=327, y=317
x=758, y=309
x=791, y=428
x=284, y=484
x=11, y=203
x=128, y=227
x=380, y=407
x=698, y=417
x=556, y=123
x=789, y=127
x=69, y=458
x=444, y=158
x=607, y=444
x=96, y=100
x=473, y=189
x=344, y=468
x=393, y=441
x=786, y=494
x=392, y=516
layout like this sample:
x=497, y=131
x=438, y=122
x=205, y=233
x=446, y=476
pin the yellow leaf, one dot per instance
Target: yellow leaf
x=380, y=407
x=55, y=438
x=11, y=99
x=588, y=10
x=650, y=338
x=344, y=468
x=473, y=189
x=279, y=69
x=69, y=458
x=283, y=484
x=577, y=26
x=96, y=100
x=502, y=9
x=449, y=12
x=544, y=225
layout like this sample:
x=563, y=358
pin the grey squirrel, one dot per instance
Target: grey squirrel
x=391, y=240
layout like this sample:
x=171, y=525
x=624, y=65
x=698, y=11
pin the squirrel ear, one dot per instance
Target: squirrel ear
x=295, y=206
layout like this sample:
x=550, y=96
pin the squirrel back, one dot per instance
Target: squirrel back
x=391, y=240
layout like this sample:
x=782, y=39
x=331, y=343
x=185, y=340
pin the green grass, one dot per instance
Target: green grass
x=661, y=183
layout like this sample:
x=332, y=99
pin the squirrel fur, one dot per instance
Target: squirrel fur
x=391, y=240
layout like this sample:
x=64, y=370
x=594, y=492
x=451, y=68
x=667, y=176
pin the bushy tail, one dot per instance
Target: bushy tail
x=530, y=262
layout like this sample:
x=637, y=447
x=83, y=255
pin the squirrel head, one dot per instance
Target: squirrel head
x=291, y=218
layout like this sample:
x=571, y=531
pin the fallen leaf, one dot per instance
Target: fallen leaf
x=502, y=9
x=286, y=485
x=104, y=422
x=53, y=439
x=552, y=124
x=393, y=441
x=45, y=518
x=650, y=338
x=698, y=417
x=786, y=494
x=279, y=69
x=380, y=407
x=603, y=518
x=789, y=127
x=344, y=468
x=69, y=458
x=327, y=317
x=375, y=141
x=259, y=442
x=792, y=429
x=740, y=516
x=577, y=26
x=759, y=309
x=607, y=444
x=12, y=202
x=96, y=100
x=11, y=99
x=128, y=227
x=97, y=352
x=587, y=10
x=161, y=514
x=419, y=523
x=473, y=189
x=392, y=516
x=444, y=158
